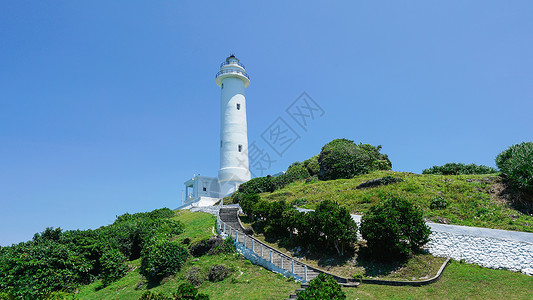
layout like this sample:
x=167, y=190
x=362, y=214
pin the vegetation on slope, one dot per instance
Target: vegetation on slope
x=247, y=281
x=472, y=200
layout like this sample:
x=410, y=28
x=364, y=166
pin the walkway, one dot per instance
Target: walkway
x=228, y=223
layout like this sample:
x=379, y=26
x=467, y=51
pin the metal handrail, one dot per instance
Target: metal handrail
x=272, y=250
x=232, y=63
x=233, y=72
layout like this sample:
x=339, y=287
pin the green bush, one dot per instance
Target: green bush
x=336, y=225
x=113, y=266
x=342, y=158
x=516, y=164
x=185, y=291
x=195, y=276
x=33, y=270
x=459, y=169
x=257, y=185
x=227, y=246
x=56, y=261
x=296, y=171
x=248, y=202
x=149, y=295
x=394, y=228
x=218, y=273
x=322, y=287
x=188, y=291
x=438, y=203
x=162, y=258
x=312, y=165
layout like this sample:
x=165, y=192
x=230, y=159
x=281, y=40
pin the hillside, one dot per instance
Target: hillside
x=246, y=282
x=472, y=200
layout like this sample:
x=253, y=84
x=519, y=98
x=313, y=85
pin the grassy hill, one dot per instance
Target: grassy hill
x=473, y=200
x=247, y=281
x=253, y=282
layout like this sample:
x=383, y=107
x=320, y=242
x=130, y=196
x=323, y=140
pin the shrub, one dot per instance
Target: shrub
x=185, y=291
x=149, y=295
x=296, y=171
x=394, y=228
x=516, y=164
x=218, y=273
x=195, y=276
x=342, y=158
x=337, y=225
x=459, y=169
x=322, y=287
x=312, y=165
x=257, y=185
x=188, y=291
x=113, y=266
x=378, y=182
x=227, y=246
x=438, y=203
x=202, y=247
x=162, y=258
x=248, y=203
x=32, y=270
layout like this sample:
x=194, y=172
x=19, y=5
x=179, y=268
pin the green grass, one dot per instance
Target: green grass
x=471, y=198
x=459, y=281
x=247, y=281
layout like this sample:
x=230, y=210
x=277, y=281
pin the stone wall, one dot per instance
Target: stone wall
x=485, y=247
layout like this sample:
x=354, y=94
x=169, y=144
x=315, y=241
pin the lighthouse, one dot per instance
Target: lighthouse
x=234, y=170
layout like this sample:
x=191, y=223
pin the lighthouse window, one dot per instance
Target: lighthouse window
x=222, y=85
x=238, y=106
x=220, y=143
x=240, y=148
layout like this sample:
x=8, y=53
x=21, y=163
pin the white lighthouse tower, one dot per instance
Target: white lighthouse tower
x=234, y=169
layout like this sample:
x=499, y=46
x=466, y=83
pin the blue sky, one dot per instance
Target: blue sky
x=107, y=107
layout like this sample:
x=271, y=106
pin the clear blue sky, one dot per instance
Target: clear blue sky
x=107, y=107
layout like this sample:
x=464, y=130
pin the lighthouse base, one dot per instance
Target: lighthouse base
x=230, y=179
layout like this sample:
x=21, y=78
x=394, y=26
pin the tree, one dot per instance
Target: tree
x=336, y=224
x=342, y=158
x=248, y=202
x=394, y=228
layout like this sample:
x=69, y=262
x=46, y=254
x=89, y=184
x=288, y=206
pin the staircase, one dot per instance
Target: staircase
x=229, y=216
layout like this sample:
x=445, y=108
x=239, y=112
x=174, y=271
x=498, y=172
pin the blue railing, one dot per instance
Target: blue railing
x=233, y=71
